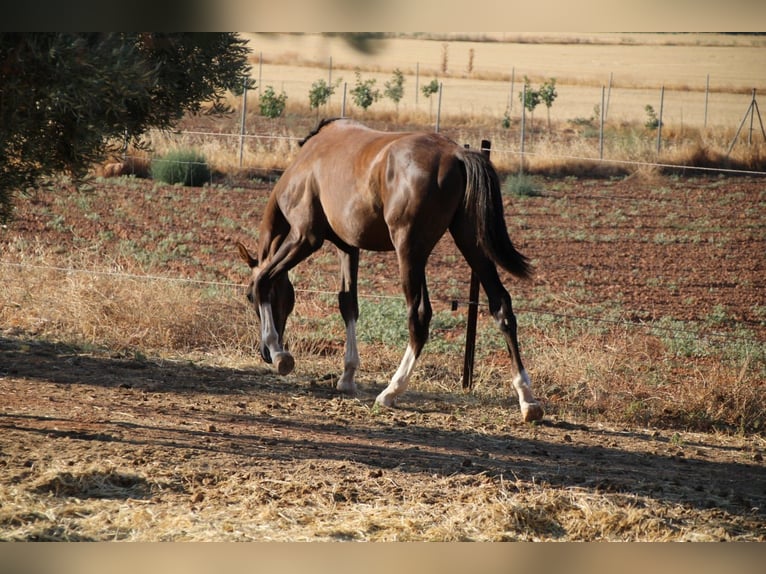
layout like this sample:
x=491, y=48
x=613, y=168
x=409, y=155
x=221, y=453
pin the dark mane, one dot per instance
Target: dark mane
x=315, y=131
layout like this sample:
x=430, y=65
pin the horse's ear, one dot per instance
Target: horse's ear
x=245, y=255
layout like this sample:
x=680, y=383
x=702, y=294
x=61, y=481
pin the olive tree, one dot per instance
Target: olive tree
x=68, y=100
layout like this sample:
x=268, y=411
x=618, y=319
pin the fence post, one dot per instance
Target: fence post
x=707, y=91
x=260, y=72
x=439, y=107
x=417, y=81
x=473, y=310
x=343, y=105
x=510, y=94
x=242, y=124
x=601, y=128
x=608, y=97
x=523, y=126
x=752, y=118
x=659, y=124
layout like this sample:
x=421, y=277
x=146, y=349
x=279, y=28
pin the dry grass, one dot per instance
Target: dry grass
x=155, y=422
x=77, y=506
x=114, y=307
x=559, y=151
x=624, y=375
x=638, y=66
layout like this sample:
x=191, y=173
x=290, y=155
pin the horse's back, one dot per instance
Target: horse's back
x=368, y=180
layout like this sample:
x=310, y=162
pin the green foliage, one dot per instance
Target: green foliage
x=394, y=88
x=364, y=92
x=548, y=92
x=271, y=104
x=430, y=88
x=185, y=167
x=383, y=320
x=506, y=123
x=652, y=121
x=545, y=94
x=71, y=99
x=320, y=93
x=529, y=98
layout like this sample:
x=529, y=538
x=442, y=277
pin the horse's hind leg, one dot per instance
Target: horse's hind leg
x=501, y=308
x=419, y=318
x=349, y=310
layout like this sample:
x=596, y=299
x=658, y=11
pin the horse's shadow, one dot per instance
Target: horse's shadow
x=393, y=439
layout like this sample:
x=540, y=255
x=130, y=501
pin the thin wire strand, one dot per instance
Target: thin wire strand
x=452, y=301
x=509, y=151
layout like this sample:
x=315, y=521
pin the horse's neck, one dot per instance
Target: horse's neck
x=274, y=227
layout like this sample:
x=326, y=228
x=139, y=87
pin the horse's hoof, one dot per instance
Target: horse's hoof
x=284, y=363
x=385, y=400
x=532, y=412
x=346, y=388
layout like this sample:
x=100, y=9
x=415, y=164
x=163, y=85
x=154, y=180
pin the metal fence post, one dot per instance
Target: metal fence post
x=601, y=127
x=439, y=107
x=707, y=91
x=417, y=81
x=523, y=126
x=242, y=123
x=260, y=71
x=659, y=124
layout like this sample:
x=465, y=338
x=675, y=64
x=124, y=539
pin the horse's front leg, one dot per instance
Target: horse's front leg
x=276, y=298
x=271, y=346
x=348, y=304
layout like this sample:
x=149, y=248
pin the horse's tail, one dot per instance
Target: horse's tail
x=484, y=203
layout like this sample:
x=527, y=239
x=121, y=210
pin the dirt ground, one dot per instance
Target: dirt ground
x=118, y=446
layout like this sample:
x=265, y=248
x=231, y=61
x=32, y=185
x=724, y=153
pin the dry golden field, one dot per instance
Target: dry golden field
x=474, y=104
x=638, y=64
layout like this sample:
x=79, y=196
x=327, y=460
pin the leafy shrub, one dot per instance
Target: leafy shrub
x=430, y=88
x=364, y=93
x=184, y=166
x=320, y=93
x=272, y=105
x=528, y=97
x=395, y=87
x=652, y=121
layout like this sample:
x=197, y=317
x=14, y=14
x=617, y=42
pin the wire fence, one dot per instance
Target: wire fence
x=238, y=144
x=453, y=303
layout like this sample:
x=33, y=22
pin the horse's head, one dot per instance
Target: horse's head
x=281, y=296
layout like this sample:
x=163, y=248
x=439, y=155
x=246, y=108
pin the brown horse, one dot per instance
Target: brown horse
x=364, y=189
